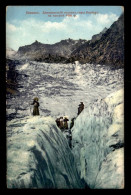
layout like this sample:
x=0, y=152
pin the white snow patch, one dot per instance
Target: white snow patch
x=24, y=66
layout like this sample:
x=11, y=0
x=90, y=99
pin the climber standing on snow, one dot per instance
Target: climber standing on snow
x=80, y=108
x=36, y=105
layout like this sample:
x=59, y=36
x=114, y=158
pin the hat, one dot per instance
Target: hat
x=36, y=99
x=66, y=117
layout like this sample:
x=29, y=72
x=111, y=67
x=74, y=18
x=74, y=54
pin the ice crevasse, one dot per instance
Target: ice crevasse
x=98, y=142
x=38, y=155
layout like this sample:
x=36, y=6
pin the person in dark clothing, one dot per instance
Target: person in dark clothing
x=61, y=123
x=80, y=108
x=36, y=105
x=65, y=123
x=58, y=122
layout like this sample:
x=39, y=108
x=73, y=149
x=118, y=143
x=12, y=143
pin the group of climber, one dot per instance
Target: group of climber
x=62, y=122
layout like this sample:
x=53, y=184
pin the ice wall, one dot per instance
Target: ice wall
x=38, y=155
x=98, y=140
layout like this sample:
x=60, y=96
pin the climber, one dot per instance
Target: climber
x=61, y=123
x=36, y=105
x=80, y=108
x=65, y=122
x=58, y=122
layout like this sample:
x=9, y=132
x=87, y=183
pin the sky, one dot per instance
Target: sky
x=51, y=24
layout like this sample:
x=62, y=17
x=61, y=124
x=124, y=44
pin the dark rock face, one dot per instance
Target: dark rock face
x=11, y=76
x=98, y=36
x=57, y=52
x=106, y=48
x=109, y=49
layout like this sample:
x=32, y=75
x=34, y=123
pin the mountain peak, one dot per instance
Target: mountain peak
x=104, y=30
x=36, y=43
x=98, y=36
x=104, y=48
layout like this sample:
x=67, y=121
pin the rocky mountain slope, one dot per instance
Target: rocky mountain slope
x=10, y=53
x=11, y=76
x=98, y=36
x=109, y=49
x=57, y=52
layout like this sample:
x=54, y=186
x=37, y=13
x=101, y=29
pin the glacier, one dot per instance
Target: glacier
x=98, y=142
x=38, y=153
x=61, y=87
x=38, y=156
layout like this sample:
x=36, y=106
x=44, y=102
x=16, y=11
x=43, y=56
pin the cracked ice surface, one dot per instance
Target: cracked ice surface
x=38, y=155
x=98, y=138
x=98, y=129
x=61, y=87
